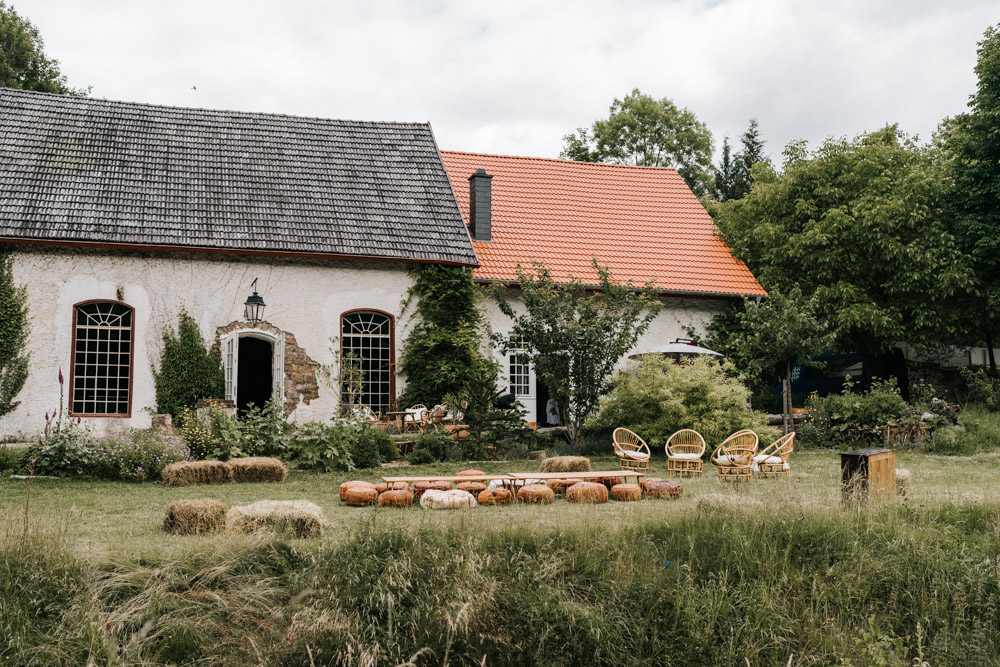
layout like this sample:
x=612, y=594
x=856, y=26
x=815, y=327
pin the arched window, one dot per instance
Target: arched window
x=101, y=372
x=366, y=346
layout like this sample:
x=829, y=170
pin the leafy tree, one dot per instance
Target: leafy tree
x=442, y=349
x=641, y=130
x=858, y=225
x=725, y=174
x=188, y=370
x=23, y=63
x=575, y=337
x=14, y=329
x=972, y=150
x=751, y=153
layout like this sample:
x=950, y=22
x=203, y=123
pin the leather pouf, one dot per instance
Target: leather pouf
x=606, y=481
x=664, y=489
x=470, y=473
x=395, y=498
x=643, y=481
x=454, y=499
x=559, y=486
x=537, y=494
x=420, y=487
x=587, y=492
x=359, y=496
x=347, y=485
x=472, y=487
x=495, y=497
x=626, y=492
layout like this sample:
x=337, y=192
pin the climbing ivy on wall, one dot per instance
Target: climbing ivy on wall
x=13, y=336
x=442, y=350
x=188, y=370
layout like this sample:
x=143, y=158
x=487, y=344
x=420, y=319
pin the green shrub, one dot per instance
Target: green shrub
x=14, y=329
x=12, y=459
x=978, y=431
x=65, y=450
x=835, y=414
x=136, y=456
x=984, y=389
x=188, y=370
x=366, y=447
x=265, y=429
x=433, y=446
x=322, y=446
x=656, y=397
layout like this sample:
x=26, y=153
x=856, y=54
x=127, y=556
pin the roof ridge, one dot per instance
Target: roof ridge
x=559, y=160
x=171, y=107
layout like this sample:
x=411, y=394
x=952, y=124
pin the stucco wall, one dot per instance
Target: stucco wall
x=305, y=298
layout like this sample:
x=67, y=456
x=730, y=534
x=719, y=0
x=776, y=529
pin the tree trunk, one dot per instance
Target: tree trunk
x=990, y=355
x=786, y=395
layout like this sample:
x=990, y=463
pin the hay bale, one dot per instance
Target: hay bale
x=470, y=473
x=360, y=496
x=662, y=489
x=559, y=486
x=728, y=503
x=536, y=494
x=495, y=497
x=354, y=482
x=298, y=517
x=395, y=498
x=626, y=492
x=204, y=515
x=903, y=482
x=472, y=487
x=453, y=499
x=587, y=492
x=258, y=469
x=566, y=464
x=189, y=473
x=419, y=488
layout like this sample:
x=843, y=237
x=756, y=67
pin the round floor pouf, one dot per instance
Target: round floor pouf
x=395, y=498
x=383, y=487
x=346, y=485
x=587, y=492
x=626, y=492
x=470, y=473
x=537, y=494
x=360, y=496
x=662, y=489
x=648, y=480
x=495, y=497
x=420, y=487
x=453, y=499
x=606, y=481
x=559, y=486
x=472, y=487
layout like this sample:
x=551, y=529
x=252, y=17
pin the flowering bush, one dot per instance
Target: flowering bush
x=64, y=447
x=136, y=456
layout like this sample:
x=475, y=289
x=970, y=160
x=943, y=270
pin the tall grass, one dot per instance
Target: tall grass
x=978, y=431
x=809, y=585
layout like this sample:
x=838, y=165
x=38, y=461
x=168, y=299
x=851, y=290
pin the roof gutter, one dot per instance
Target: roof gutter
x=689, y=294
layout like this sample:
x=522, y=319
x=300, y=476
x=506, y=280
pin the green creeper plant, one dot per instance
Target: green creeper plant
x=188, y=370
x=14, y=328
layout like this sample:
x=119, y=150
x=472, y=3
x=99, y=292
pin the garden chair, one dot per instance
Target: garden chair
x=631, y=450
x=773, y=459
x=363, y=413
x=415, y=419
x=684, y=451
x=733, y=459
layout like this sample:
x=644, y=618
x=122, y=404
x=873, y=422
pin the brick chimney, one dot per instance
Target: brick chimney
x=480, y=198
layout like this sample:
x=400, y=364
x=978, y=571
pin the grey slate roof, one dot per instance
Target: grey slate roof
x=97, y=171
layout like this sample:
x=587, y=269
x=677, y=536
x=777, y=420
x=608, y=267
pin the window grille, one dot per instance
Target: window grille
x=102, y=359
x=366, y=341
x=519, y=371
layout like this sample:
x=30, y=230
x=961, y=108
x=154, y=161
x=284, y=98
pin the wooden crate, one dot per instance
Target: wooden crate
x=869, y=473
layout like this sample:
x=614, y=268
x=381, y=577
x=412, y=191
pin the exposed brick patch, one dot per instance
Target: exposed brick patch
x=300, y=370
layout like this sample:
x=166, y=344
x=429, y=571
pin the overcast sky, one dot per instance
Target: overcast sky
x=514, y=77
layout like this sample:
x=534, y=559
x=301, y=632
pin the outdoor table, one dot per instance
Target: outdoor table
x=602, y=474
x=396, y=417
x=507, y=480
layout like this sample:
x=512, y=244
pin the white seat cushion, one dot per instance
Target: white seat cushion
x=686, y=457
x=635, y=456
x=724, y=461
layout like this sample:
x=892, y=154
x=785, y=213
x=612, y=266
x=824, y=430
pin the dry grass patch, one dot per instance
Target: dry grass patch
x=566, y=464
x=258, y=469
x=729, y=503
x=203, y=515
x=299, y=517
x=189, y=473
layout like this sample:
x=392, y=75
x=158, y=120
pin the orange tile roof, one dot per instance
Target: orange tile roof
x=642, y=222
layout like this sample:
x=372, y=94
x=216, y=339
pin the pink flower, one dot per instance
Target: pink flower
x=46, y=416
x=60, y=375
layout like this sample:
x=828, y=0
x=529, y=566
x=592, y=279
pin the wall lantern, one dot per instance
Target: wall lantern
x=253, y=308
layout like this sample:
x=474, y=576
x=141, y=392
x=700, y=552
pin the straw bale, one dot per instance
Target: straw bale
x=559, y=486
x=903, y=482
x=356, y=482
x=728, y=503
x=662, y=489
x=258, y=469
x=453, y=499
x=626, y=492
x=189, y=473
x=204, y=515
x=498, y=496
x=566, y=464
x=420, y=487
x=395, y=498
x=538, y=494
x=361, y=496
x=472, y=487
x=470, y=473
x=299, y=517
x=587, y=492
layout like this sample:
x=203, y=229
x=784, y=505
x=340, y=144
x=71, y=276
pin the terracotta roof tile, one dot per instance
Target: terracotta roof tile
x=643, y=222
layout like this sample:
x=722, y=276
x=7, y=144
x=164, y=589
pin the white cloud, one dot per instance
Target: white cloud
x=513, y=77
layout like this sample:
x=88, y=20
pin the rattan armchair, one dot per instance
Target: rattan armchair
x=772, y=461
x=733, y=459
x=684, y=451
x=415, y=419
x=631, y=450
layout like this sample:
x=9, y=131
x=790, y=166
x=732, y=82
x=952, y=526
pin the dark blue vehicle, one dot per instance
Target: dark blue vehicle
x=826, y=379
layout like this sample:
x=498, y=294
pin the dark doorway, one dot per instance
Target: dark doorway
x=253, y=380
x=542, y=392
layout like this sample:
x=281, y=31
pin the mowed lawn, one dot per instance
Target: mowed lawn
x=101, y=519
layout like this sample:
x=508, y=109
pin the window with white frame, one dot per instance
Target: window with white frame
x=366, y=344
x=519, y=369
x=101, y=382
